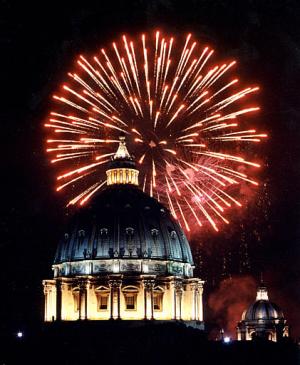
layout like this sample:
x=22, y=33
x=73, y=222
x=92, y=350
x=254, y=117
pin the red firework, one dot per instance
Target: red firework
x=182, y=116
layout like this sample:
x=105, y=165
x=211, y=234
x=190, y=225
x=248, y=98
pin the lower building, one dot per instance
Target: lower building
x=262, y=319
x=123, y=297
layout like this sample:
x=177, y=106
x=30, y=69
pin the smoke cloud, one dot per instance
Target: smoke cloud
x=229, y=301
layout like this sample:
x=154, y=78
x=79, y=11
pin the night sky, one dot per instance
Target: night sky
x=39, y=42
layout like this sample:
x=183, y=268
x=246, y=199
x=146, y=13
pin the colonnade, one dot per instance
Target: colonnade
x=185, y=305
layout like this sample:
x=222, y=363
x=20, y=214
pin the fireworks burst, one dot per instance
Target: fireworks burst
x=181, y=115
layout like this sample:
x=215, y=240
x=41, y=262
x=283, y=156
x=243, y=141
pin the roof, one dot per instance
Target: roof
x=262, y=308
x=123, y=222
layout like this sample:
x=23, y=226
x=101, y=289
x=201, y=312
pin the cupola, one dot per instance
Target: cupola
x=122, y=168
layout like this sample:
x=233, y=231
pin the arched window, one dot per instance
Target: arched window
x=129, y=231
x=81, y=233
x=173, y=235
x=103, y=231
x=154, y=232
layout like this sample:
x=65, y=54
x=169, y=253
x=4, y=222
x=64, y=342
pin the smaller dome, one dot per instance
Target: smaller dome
x=262, y=308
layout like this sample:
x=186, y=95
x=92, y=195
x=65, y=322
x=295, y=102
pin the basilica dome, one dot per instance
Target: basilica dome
x=123, y=256
x=123, y=223
x=123, y=230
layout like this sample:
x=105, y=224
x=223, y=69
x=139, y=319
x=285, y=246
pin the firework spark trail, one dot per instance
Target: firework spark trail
x=184, y=118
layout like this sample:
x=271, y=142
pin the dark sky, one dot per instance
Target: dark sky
x=39, y=42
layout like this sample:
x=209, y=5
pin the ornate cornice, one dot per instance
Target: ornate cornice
x=122, y=266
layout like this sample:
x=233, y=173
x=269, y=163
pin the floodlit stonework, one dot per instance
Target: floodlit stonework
x=124, y=257
x=262, y=319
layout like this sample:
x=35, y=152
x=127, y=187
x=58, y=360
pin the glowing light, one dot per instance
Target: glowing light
x=184, y=117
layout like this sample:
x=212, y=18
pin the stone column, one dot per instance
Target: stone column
x=86, y=292
x=175, y=304
x=178, y=298
x=194, y=299
x=115, y=288
x=79, y=302
x=118, y=285
x=46, y=306
x=200, y=301
x=180, y=303
x=111, y=314
x=151, y=296
x=82, y=299
x=145, y=302
x=58, y=300
x=148, y=289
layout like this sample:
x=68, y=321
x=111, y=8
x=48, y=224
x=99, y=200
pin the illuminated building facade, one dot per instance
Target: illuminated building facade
x=262, y=319
x=124, y=257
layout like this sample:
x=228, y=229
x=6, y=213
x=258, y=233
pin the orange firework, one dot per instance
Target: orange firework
x=183, y=116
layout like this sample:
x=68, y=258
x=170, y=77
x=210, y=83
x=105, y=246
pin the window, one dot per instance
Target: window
x=130, y=301
x=103, y=301
x=103, y=231
x=173, y=235
x=154, y=232
x=129, y=231
x=130, y=297
x=81, y=233
x=157, y=301
x=102, y=294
